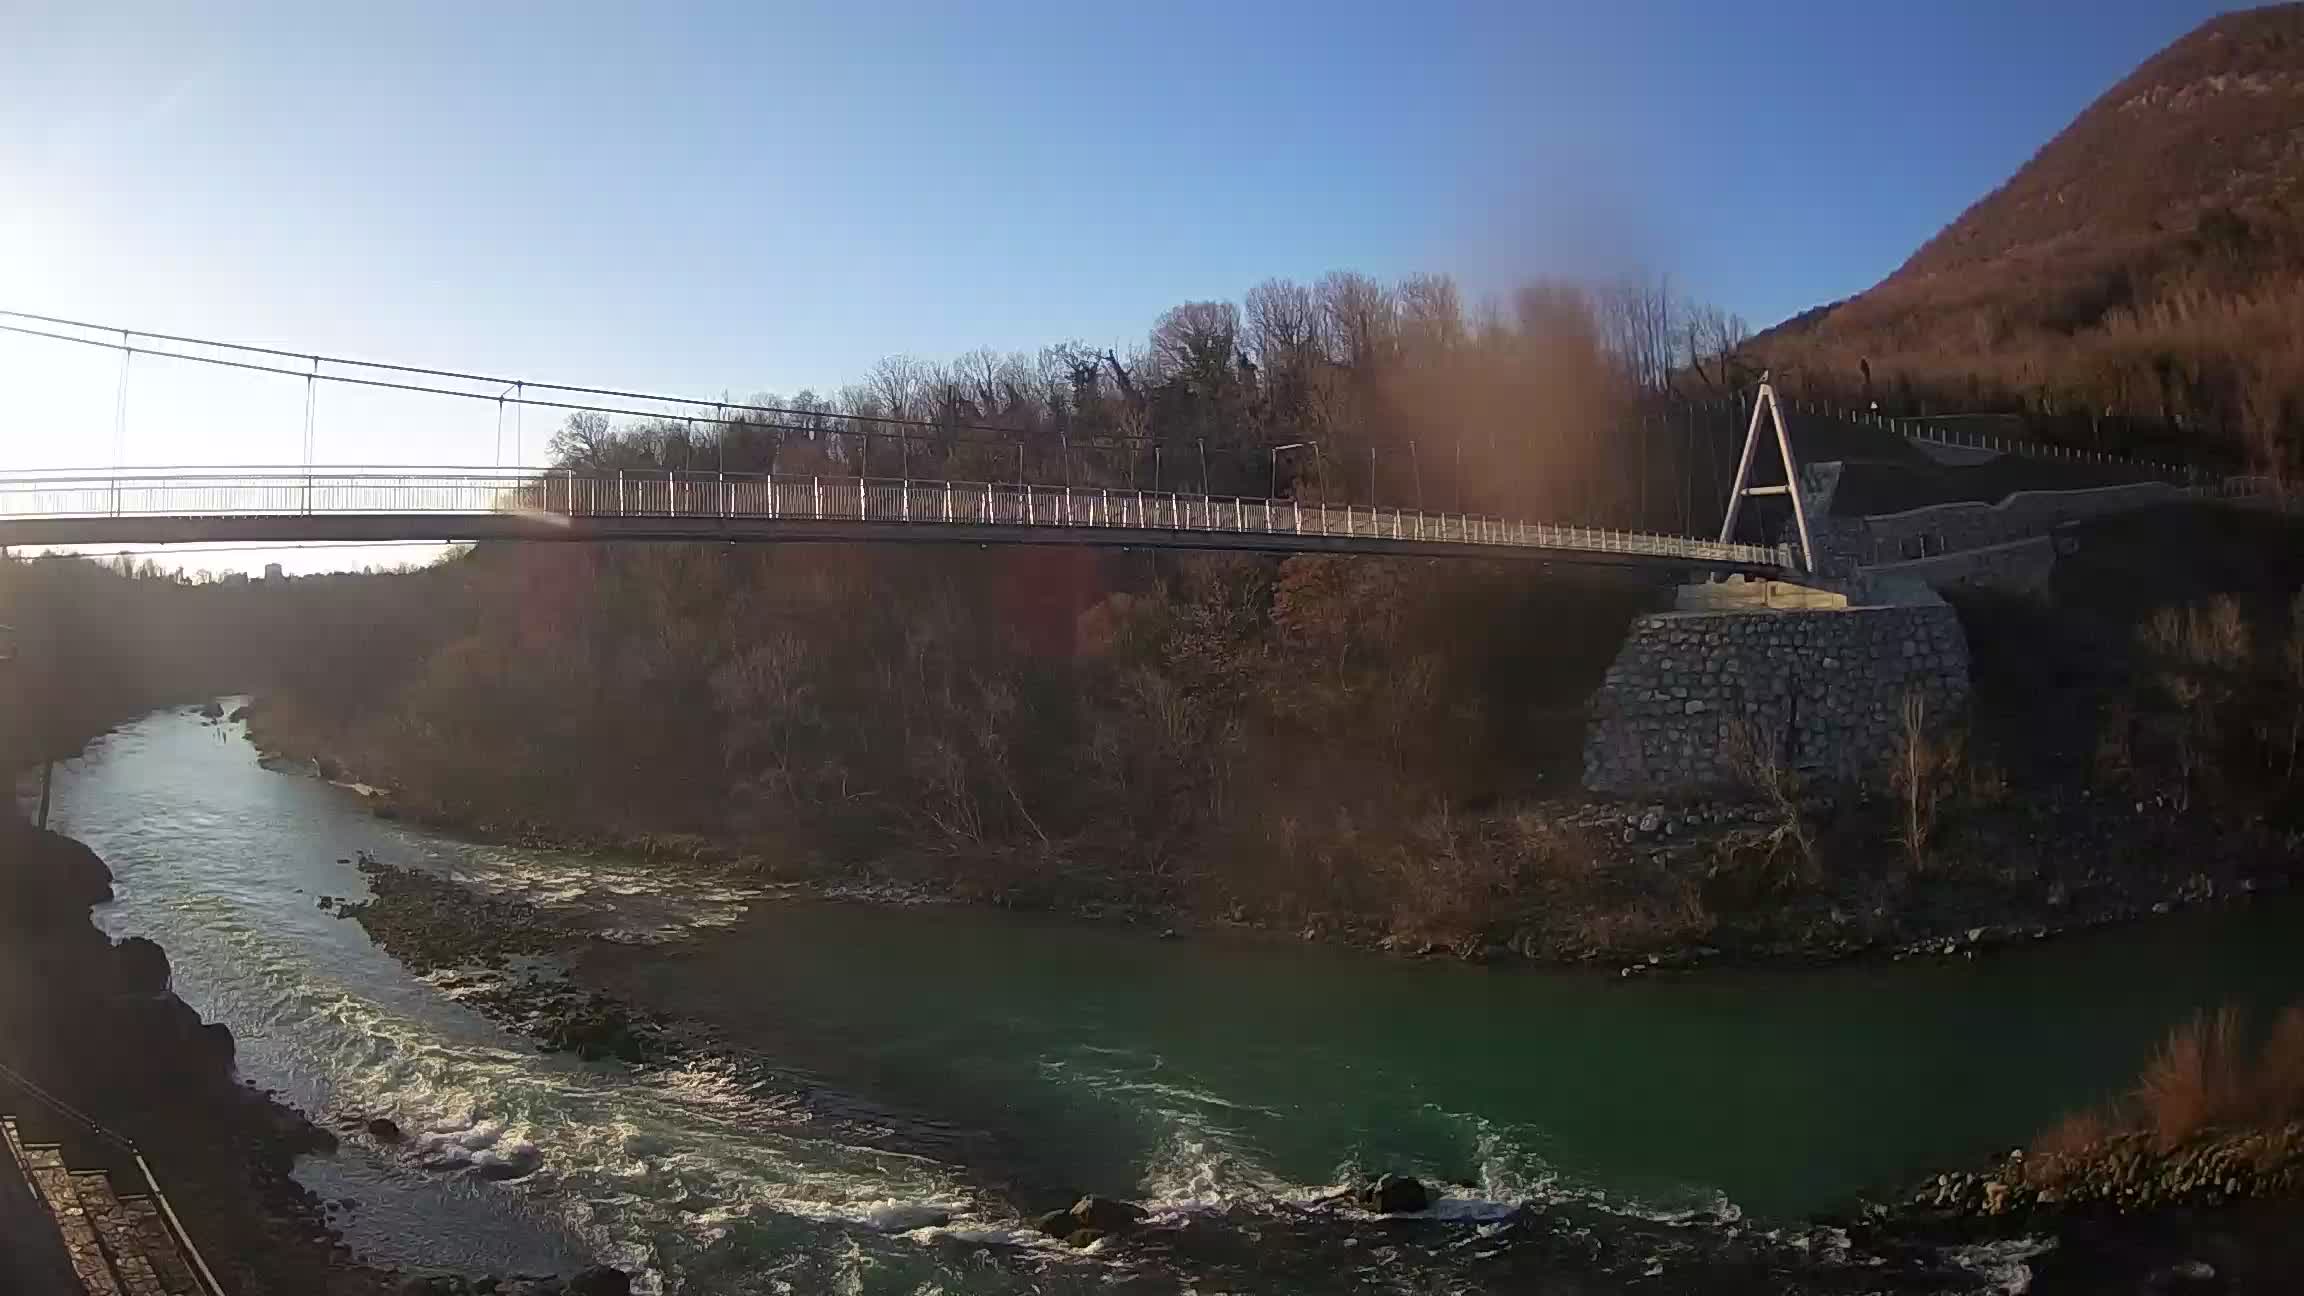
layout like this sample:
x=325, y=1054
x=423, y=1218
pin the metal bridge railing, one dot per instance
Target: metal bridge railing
x=211, y=493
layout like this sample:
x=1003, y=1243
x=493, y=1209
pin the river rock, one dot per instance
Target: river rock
x=599, y=1280
x=1105, y=1215
x=515, y=1162
x=2184, y=1276
x=143, y=966
x=1395, y=1195
x=211, y=710
x=383, y=1131
x=595, y=1034
x=905, y=1218
x=1100, y=1215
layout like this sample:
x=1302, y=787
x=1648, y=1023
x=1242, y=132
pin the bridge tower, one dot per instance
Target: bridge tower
x=1765, y=403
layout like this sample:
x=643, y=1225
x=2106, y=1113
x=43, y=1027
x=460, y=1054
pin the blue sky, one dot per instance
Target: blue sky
x=749, y=197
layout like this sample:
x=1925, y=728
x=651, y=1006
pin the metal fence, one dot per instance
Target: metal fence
x=735, y=496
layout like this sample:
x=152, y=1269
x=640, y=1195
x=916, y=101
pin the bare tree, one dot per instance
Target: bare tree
x=584, y=441
x=1362, y=319
x=900, y=384
x=1715, y=346
x=1197, y=339
x=1638, y=314
x=1431, y=316
x=980, y=377
x=1283, y=325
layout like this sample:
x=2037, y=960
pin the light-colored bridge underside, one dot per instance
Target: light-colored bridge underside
x=355, y=527
x=278, y=507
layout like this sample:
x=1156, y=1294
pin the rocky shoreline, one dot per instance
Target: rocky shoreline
x=2051, y=865
x=2129, y=1172
x=96, y=1023
x=2223, y=1213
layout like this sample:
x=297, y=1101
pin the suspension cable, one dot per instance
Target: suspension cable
x=120, y=405
x=726, y=411
x=311, y=398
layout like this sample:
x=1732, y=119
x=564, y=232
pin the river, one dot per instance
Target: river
x=881, y=1061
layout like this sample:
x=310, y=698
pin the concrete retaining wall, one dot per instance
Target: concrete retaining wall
x=1950, y=528
x=2017, y=567
x=1692, y=694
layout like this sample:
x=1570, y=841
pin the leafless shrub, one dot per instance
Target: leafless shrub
x=1924, y=773
x=2068, y=1140
x=1763, y=764
x=2203, y=1078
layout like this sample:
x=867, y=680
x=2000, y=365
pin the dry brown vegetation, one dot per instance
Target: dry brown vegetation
x=1789, y=855
x=2208, y=1076
x=2215, y=707
x=2139, y=285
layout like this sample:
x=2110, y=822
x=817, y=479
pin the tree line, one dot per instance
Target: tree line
x=1602, y=404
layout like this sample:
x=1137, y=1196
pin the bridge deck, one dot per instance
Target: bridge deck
x=272, y=505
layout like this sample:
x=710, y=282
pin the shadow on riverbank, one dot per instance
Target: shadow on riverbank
x=96, y=1024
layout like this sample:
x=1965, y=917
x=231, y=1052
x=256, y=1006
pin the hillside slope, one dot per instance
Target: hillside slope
x=2140, y=279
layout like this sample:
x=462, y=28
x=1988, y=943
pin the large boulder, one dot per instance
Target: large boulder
x=1395, y=1195
x=1097, y=1215
x=515, y=1162
x=596, y=1033
x=143, y=966
x=1105, y=1215
x=599, y=1280
x=44, y=878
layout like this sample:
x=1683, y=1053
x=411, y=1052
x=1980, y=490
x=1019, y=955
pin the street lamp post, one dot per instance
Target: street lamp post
x=1314, y=446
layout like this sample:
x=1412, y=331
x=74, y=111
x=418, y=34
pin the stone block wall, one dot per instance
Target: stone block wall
x=1690, y=691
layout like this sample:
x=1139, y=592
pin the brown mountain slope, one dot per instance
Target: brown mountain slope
x=2141, y=278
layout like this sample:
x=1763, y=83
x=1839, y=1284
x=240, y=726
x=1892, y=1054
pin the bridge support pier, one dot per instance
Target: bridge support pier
x=1743, y=677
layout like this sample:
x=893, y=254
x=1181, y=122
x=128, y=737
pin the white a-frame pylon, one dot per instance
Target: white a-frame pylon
x=1766, y=401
